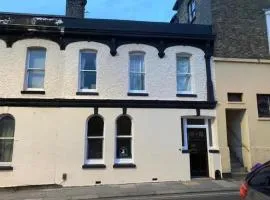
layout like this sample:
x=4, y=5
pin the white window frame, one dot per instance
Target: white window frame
x=7, y=138
x=178, y=56
x=267, y=14
x=26, y=86
x=94, y=161
x=80, y=70
x=140, y=53
x=191, y=10
x=205, y=126
x=125, y=160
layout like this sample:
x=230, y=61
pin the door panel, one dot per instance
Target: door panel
x=197, y=144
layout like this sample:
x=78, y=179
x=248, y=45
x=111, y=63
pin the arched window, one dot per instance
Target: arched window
x=95, y=139
x=7, y=126
x=124, y=140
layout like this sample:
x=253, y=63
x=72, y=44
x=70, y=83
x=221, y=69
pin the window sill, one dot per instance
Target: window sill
x=264, y=119
x=186, y=95
x=6, y=168
x=33, y=92
x=128, y=165
x=87, y=93
x=185, y=151
x=236, y=102
x=138, y=94
x=214, y=151
x=94, y=166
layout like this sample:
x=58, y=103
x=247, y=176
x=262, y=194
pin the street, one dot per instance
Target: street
x=203, y=196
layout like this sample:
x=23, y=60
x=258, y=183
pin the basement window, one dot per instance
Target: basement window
x=235, y=97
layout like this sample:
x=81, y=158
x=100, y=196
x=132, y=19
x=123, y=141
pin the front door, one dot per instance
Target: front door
x=197, y=144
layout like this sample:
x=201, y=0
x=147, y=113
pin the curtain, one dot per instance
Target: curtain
x=137, y=71
x=6, y=138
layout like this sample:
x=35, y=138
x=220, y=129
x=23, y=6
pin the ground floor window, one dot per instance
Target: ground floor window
x=7, y=126
x=124, y=140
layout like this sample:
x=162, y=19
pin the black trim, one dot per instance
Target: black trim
x=124, y=166
x=105, y=103
x=124, y=111
x=209, y=82
x=113, y=33
x=198, y=112
x=227, y=175
x=185, y=151
x=186, y=95
x=94, y=166
x=137, y=94
x=6, y=168
x=96, y=111
x=32, y=92
x=87, y=93
x=214, y=151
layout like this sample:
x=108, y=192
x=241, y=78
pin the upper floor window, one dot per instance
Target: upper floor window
x=123, y=140
x=267, y=13
x=7, y=126
x=191, y=11
x=88, y=70
x=136, y=72
x=263, y=101
x=183, y=74
x=35, y=68
x=94, y=153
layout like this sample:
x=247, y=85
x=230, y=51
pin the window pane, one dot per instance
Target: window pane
x=7, y=125
x=183, y=65
x=37, y=58
x=88, y=80
x=6, y=149
x=88, y=61
x=35, y=79
x=262, y=178
x=123, y=126
x=123, y=148
x=195, y=121
x=183, y=83
x=136, y=81
x=137, y=63
x=263, y=105
x=95, y=126
x=95, y=147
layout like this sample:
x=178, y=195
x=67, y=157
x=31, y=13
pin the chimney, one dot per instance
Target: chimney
x=75, y=8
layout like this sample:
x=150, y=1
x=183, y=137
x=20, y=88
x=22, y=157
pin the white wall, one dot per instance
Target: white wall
x=61, y=76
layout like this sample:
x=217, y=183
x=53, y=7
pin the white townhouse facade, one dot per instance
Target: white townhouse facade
x=85, y=101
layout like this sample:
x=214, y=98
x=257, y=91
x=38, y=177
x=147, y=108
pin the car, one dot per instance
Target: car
x=257, y=183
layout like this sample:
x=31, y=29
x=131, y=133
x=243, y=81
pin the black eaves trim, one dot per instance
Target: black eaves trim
x=186, y=95
x=138, y=94
x=87, y=93
x=6, y=168
x=124, y=166
x=94, y=166
x=214, y=151
x=32, y=92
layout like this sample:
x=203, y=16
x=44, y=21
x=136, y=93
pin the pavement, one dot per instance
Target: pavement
x=128, y=191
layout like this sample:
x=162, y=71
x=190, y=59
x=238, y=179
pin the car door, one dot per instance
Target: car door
x=259, y=185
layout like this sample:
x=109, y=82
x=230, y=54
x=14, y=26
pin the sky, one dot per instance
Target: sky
x=142, y=10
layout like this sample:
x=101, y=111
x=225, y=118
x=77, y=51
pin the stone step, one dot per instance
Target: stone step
x=239, y=170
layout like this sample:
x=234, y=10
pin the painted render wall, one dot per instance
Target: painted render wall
x=249, y=77
x=43, y=151
x=62, y=68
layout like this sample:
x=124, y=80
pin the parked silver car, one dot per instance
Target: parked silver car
x=257, y=184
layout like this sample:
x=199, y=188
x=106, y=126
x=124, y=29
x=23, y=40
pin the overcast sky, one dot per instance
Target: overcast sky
x=146, y=10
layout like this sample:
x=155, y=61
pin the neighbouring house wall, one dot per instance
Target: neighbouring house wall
x=62, y=71
x=203, y=12
x=44, y=151
x=240, y=28
x=230, y=78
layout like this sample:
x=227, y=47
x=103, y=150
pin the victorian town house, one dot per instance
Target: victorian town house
x=93, y=101
x=241, y=63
